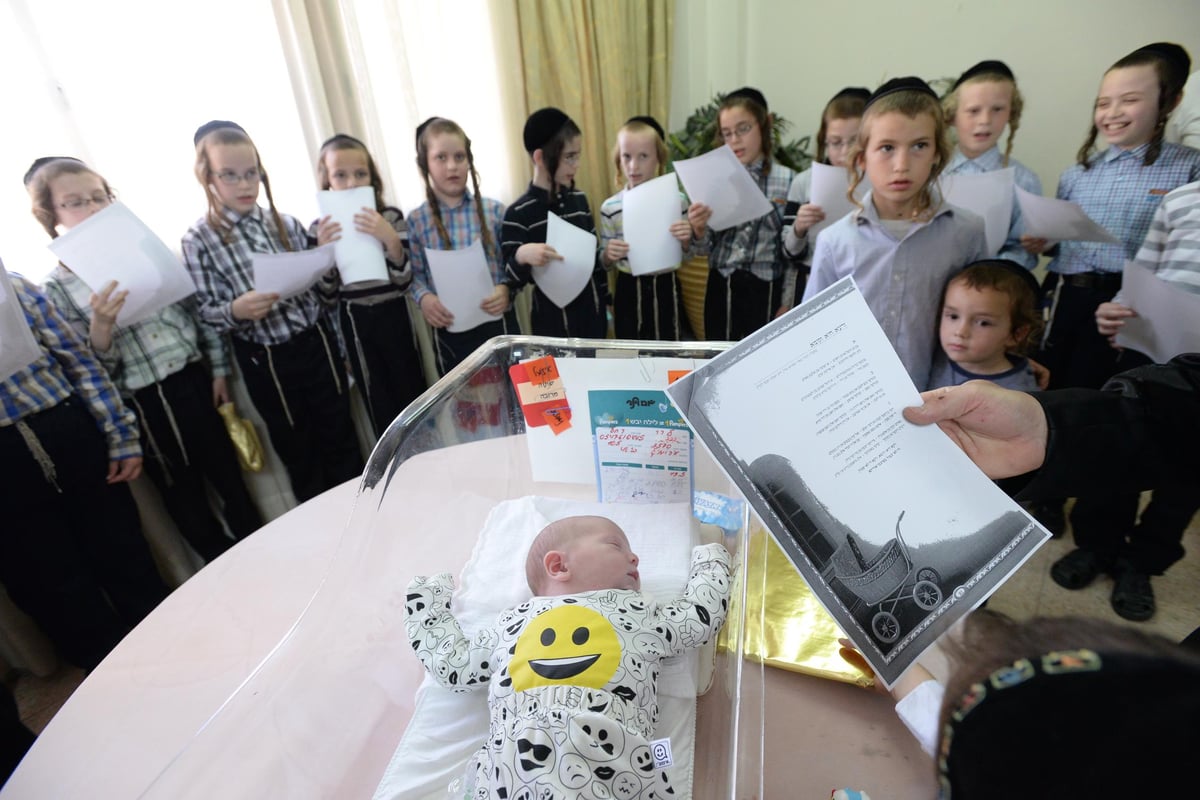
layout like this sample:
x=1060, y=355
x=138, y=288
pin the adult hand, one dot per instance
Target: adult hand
x=435, y=313
x=1002, y=431
x=124, y=470
x=254, y=305
x=497, y=302
x=537, y=254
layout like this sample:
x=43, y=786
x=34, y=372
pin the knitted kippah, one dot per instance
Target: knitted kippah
x=910, y=83
x=212, y=125
x=985, y=68
x=38, y=163
x=541, y=127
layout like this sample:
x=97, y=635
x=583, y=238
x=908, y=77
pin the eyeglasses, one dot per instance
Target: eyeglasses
x=231, y=178
x=572, y=159
x=840, y=144
x=98, y=200
x=738, y=132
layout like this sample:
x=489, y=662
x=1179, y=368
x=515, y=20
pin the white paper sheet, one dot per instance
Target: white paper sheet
x=1168, y=320
x=18, y=348
x=718, y=180
x=113, y=244
x=359, y=255
x=1059, y=220
x=562, y=281
x=647, y=214
x=828, y=190
x=895, y=530
x=463, y=281
x=291, y=274
x=988, y=194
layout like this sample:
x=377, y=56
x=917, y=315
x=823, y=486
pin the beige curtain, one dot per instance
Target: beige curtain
x=602, y=62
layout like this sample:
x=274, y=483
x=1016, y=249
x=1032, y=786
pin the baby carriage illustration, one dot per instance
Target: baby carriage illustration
x=885, y=580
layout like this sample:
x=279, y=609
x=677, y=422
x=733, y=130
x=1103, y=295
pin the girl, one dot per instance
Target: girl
x=838, y=131
x=982, y=102
x=989, y=316
x=374, y=313
x=158, y=367
x=745, y=263
x=452, y=218
x=554, y=143
x=904, y=242
x=284, y=348
x=647, y=306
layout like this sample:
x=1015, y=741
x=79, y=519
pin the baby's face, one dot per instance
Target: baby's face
x=601, y=558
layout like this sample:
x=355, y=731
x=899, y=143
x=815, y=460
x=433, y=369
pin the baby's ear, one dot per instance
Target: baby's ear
x=556, y=565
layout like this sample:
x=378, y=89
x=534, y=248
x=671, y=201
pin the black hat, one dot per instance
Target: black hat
x=38, y=163
x=541, y=127
x=750, y=93
x=910, y=83
x=1008, y=266
x=421, y=129
x=212, y=125
x=861, y=92
x=1176, y=57
x=652, y=122
x=344, y=138
x=985, y=68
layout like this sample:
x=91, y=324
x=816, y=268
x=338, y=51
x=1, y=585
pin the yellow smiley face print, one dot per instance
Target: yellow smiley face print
x=566, y=646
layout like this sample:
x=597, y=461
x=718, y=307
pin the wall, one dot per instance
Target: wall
x=800, y=53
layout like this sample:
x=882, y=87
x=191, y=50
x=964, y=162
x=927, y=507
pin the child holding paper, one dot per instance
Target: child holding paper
x=905, y=242
x=837, y=134
x=646, y=307
x=285, y=349
x=554, y=143
x=746, y=262
x=375, y=326
x=158, y=365
x=984, y=100
x=454, y=218
x=571, y=674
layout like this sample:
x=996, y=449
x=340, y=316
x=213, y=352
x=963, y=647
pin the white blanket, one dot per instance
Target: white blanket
x=447, y=728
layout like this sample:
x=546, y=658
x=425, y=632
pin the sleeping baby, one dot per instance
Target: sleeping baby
x=571, y=673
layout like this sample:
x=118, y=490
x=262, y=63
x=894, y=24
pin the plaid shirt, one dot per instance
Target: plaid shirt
x=1022, y=176
x=147, y=352
x=757, y=245
x=462, y=226
x=1121, y=194
x=65, y=368
x=223, y=272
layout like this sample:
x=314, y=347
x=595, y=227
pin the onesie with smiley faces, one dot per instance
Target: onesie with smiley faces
x=572, y=680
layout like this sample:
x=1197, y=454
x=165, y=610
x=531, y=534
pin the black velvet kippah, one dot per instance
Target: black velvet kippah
x=652, y=122
x=38, y=163
x=750, y=93
x=212, y=125
x=985, y=68
x=1009, y=266
x=421, y=129
x=861, y=92
x=342, y=137
x=910, y=83
x=541, y=127
x=1177, y=58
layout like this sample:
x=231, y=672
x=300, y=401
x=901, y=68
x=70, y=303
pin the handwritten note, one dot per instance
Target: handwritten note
x=643, y=447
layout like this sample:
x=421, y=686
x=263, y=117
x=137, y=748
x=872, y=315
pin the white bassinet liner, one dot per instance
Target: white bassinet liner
x=446, y=728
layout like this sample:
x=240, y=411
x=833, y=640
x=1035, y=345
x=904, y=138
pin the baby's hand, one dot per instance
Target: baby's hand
x=425, y=593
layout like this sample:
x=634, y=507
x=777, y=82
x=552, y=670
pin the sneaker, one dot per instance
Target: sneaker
x=1132, y=597
x=1078, y=568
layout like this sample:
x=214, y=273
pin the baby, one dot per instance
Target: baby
x=572, y=673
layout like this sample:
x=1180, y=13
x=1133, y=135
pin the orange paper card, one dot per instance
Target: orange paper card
x=539, y=389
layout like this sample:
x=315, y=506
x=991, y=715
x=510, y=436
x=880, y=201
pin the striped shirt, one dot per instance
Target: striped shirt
x=66, y=367
x=148, y=351
x=1172, y=245
x=1120, y=194
x=223, y=272
x=371, y=291
x=755, y=246
x=1022, y=177
x=612, y=226
x=901, y=279
x=462, y=226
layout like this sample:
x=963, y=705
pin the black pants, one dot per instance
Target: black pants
x=73, y=558
x=737, y=306
x=650, y=308
x=1109, y=526
x=452, y=348
x=300, y=392
x=383, y=357
x=15, y=738
x=1075, y=352
x=180, y=471
x=584, y=317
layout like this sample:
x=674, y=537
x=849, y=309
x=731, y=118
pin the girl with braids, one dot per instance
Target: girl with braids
x=452, y=218
x=285, y=349
x=905, y=242
x=648, y=307
x=554, y=143
x=746, y=262
x=1119, y=187
x=158, y=366
x=375, y=326
x=984, y=100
